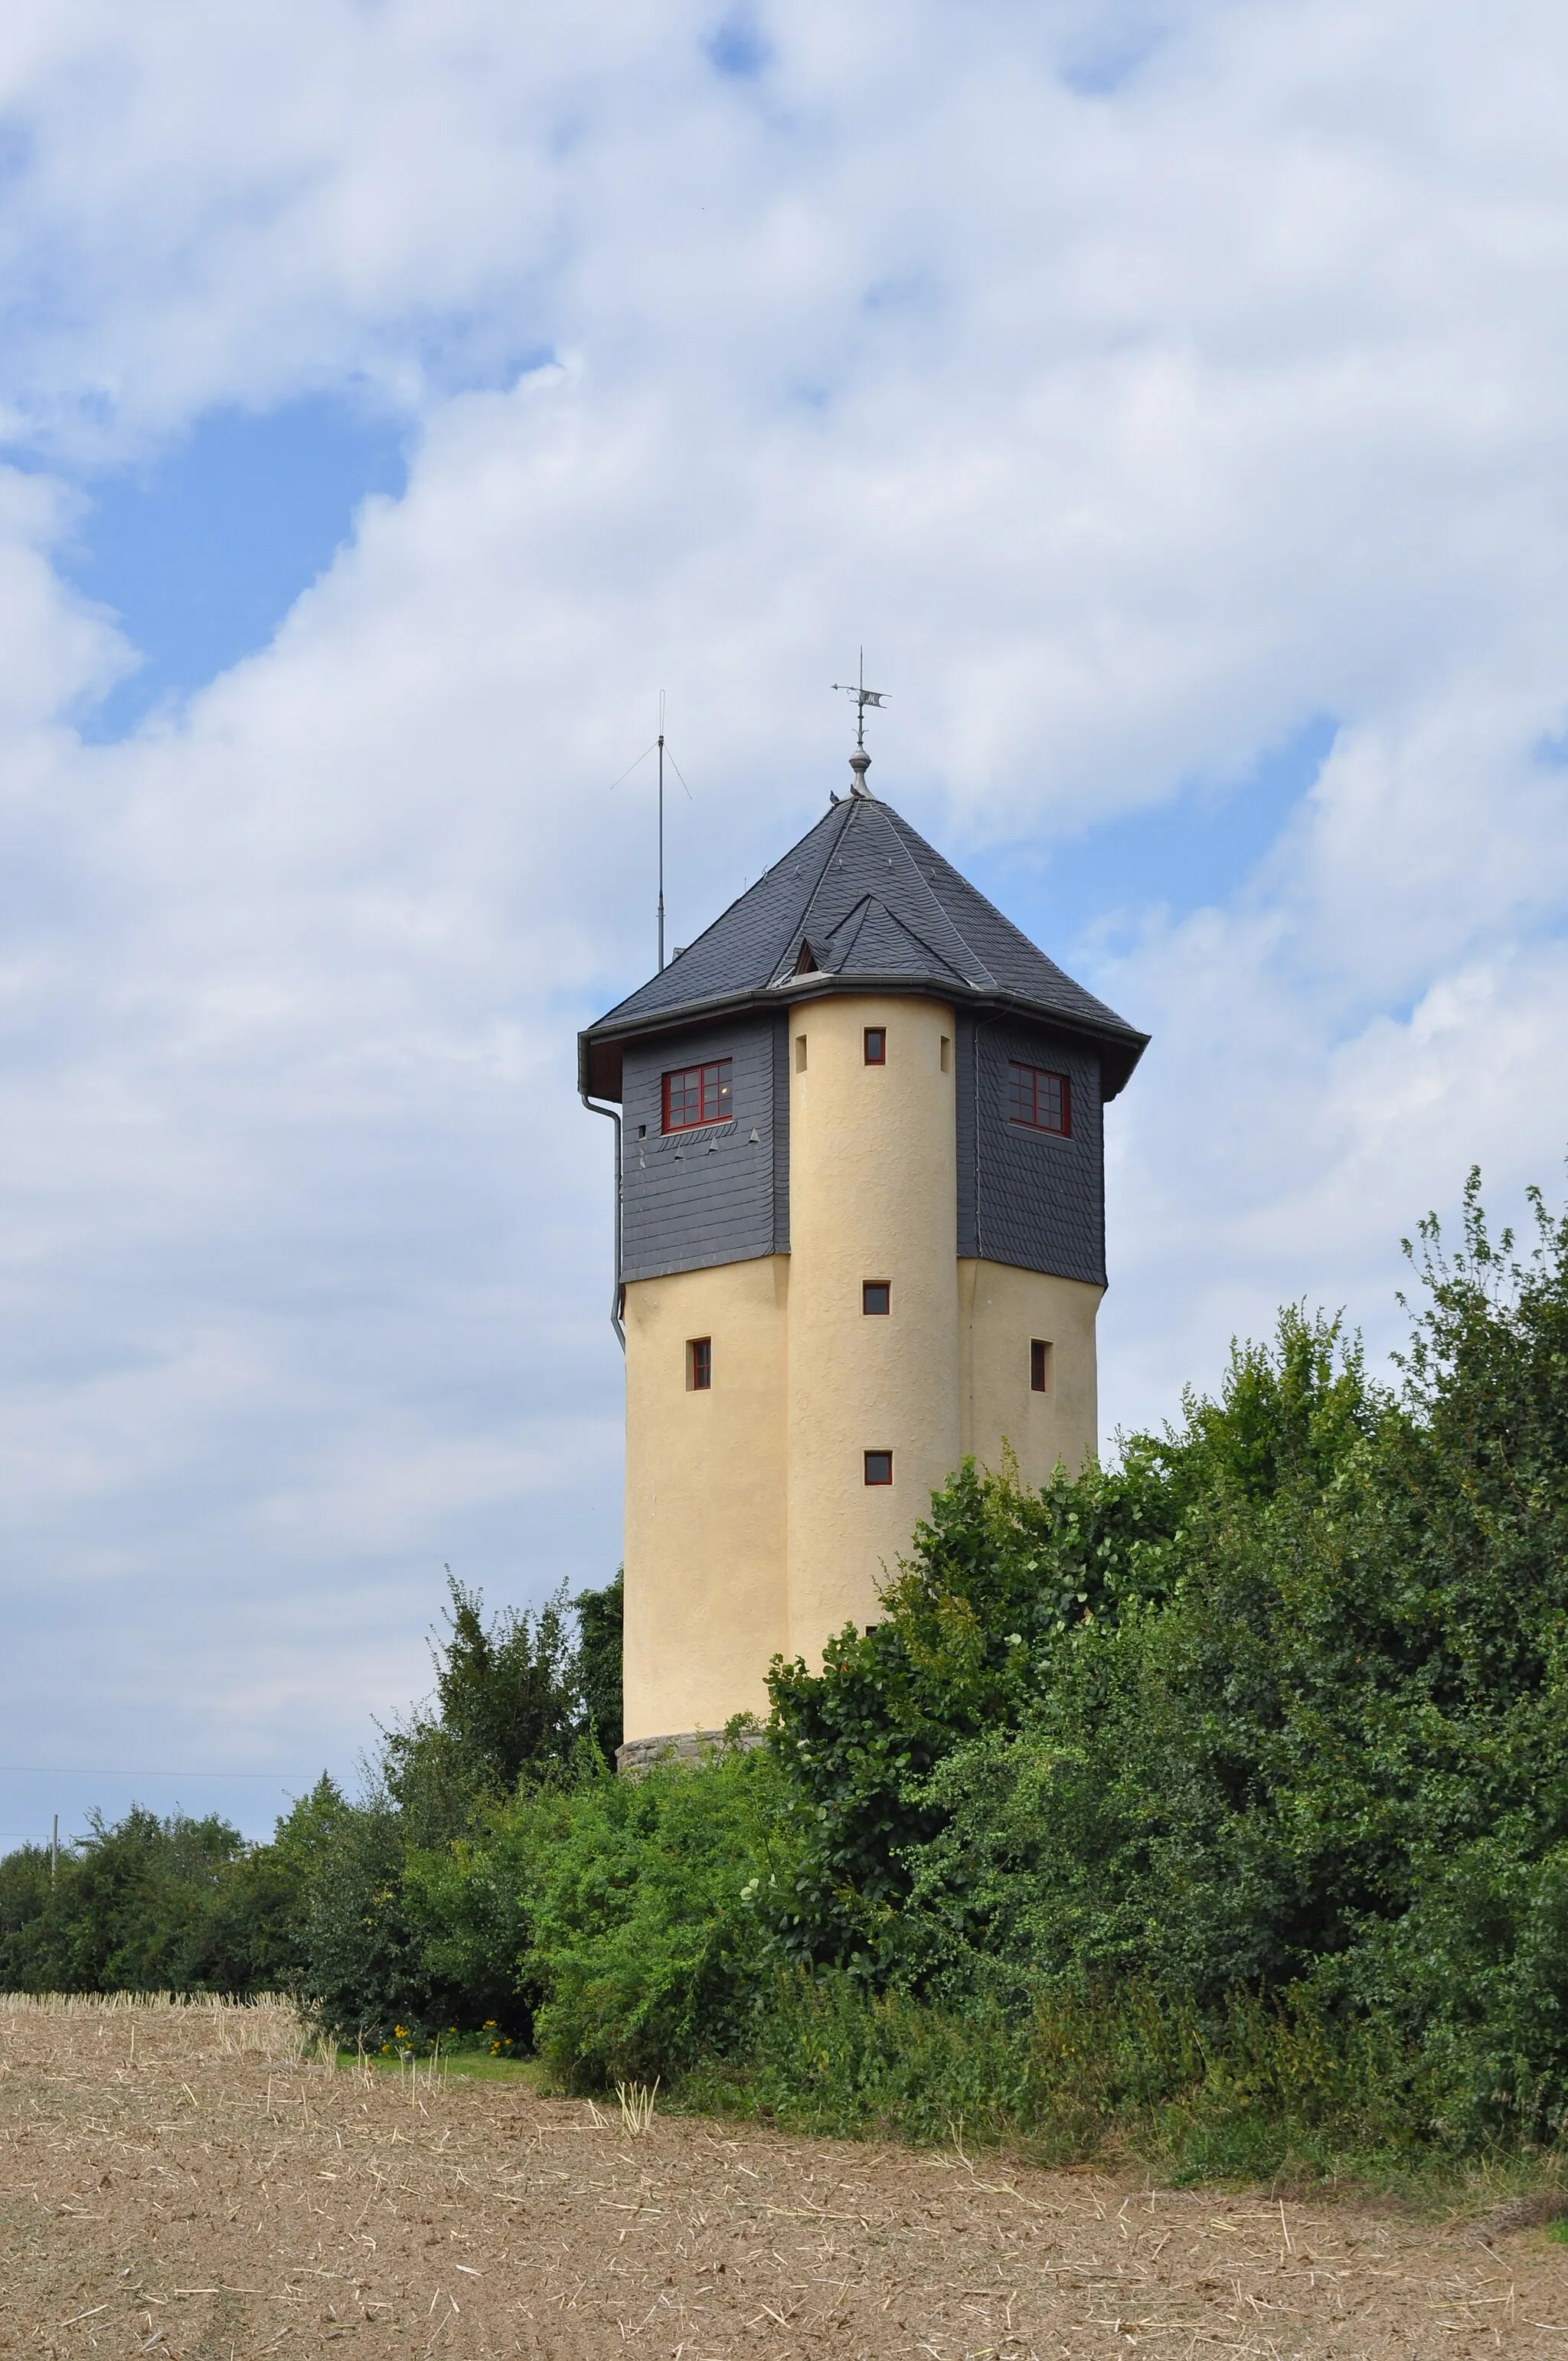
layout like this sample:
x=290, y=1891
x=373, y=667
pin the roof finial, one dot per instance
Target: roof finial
x=859, y=761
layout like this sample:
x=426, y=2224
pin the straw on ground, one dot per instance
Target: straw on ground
x=197, y=2178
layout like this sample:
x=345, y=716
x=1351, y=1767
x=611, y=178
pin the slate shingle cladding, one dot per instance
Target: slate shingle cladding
x=691, y=1198
x=875, y=904
x=862, y=902
x=1026, y=1197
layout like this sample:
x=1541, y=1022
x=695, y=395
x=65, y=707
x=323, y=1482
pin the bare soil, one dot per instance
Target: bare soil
x=182, y=2181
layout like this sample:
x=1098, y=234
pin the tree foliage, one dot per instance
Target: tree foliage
x=324, y=1909
x=1294, y=1719
x=1238, y=1769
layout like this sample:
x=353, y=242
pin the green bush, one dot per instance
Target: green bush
x=1248, y=2090
x=147, y=1904
x=624, y=1911
x=522, y=1706
x=323, y=1910
x=823, y=2056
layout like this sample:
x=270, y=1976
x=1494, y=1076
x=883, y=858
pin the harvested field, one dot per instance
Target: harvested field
x=181, y=2181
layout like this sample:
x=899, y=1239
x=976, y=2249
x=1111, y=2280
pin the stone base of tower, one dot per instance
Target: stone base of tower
x=640, y=1754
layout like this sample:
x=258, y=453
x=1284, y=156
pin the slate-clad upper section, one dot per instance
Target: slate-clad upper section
x=1034, y=1199
x=863, y=902
x=719, y=1194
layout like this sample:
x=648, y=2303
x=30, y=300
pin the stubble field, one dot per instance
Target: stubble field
x=184, y=2182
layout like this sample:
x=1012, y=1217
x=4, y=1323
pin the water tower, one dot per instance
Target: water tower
x=860, y=1234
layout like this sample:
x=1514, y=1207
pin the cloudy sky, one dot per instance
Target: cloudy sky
x=395, y=397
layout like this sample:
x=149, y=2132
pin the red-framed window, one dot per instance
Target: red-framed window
x=876, y=1045
x=876, y=1297
x=1039, y=1366
x=879, y=1467
x=695, y=1094
x=1039, y=1101
x=699, y=1364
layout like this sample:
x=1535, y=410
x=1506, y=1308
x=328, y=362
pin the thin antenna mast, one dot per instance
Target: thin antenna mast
x=661, y=831
x=658, y=747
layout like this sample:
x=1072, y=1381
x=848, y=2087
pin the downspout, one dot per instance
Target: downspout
x=619, y=1298
x=980, y=1024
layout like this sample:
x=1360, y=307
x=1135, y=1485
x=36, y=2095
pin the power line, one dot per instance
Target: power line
x=64, y=1770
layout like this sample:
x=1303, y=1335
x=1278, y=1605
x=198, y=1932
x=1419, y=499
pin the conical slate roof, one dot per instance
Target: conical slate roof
x=861, y=902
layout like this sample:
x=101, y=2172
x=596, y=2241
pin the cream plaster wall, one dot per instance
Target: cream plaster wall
x=1001, y=1311
x=706, y=1601
x=873, y=1190
x=749, y=1528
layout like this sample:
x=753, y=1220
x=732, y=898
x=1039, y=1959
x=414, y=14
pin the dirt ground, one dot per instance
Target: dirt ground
x=179, y=2181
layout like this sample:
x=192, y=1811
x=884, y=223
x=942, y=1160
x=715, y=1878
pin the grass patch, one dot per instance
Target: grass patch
x=474, y=2065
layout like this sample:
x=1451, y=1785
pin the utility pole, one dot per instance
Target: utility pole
x=54, y=1851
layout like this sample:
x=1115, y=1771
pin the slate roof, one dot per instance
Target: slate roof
x=861, y=902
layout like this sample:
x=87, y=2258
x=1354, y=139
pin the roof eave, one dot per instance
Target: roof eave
x=600, y=1047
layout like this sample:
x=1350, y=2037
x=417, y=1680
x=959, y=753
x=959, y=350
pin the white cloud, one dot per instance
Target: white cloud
x=1130, y=412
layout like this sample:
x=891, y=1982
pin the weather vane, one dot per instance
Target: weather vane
x=862, y=697
x=859, y=761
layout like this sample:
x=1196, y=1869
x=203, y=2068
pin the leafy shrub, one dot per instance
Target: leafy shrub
x=1247, y=2090
x=519, y=1704
x=322, y=1910
x=150, y=1904
x=625, y=1909
x=994, y=1574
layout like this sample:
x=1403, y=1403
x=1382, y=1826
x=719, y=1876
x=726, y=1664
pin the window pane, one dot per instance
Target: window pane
x=1038, y=1100
x=876, y=1295
x=695, y=1094
x=879, y=1467
x=876, y=1045
x=699, y=1363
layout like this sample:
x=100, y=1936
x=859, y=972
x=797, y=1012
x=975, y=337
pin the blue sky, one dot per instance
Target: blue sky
x=1195, y=848
x=199, y=551
x=1171, y=407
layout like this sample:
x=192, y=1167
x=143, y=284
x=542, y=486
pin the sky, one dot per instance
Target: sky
x=395, y=398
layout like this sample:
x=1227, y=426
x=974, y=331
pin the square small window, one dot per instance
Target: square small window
x=800, y=1053
x=876, y=1051
x=699, y=1364
x=700, y=1094
x=1038, y=1100
x=876, y=1295
x=1039, y=1366
x=879, y=1467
